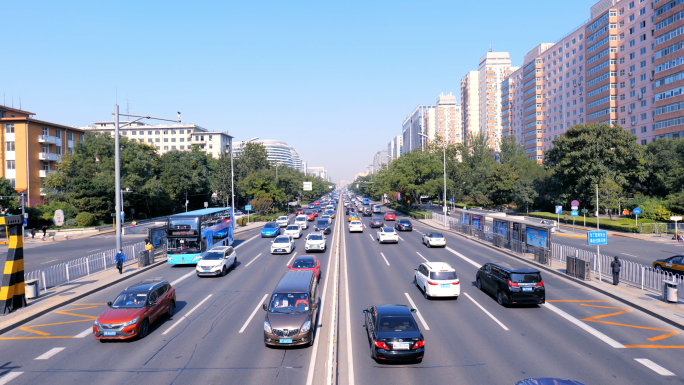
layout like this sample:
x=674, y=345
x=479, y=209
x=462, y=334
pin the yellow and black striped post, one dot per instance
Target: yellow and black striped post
x=12, y=291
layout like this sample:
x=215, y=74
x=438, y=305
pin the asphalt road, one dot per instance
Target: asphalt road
x=471, y=340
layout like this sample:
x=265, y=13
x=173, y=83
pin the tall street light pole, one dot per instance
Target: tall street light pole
x=117, y=164
x=232, y=174
x=445, y=192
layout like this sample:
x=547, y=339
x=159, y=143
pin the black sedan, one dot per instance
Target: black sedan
x=376, y=222
x=393, y=334
x=323, y=225
x=403, y=225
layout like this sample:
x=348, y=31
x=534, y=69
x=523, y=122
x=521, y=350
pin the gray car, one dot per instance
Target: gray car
x=292, y=311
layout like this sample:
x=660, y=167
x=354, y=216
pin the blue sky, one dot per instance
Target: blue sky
x=333, y=79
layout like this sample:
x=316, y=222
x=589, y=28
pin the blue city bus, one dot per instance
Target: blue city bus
x=190, y=235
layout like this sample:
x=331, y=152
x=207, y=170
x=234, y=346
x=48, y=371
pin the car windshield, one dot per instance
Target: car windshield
x=389, y=213
x=213, y=256
x=289, y=303
x=397, y=324
x=387, y=229
x=377, y=220
x=405, y=222
x=130, y=300
x=281, y=240
x=303, y=263
x=309, y=213
x=315, y=238
x=270, y=225
x=282, y=218
x=525, y=277
x=435, y=235
x=356, y=223
x=443, y=275
x=295, y=227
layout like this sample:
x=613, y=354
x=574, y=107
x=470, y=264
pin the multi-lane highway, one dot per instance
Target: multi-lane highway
x=217, y=332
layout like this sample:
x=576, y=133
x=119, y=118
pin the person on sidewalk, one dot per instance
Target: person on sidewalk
x=120, y=259
x=615, y=268
x=44, y=230
x=566, y=219
x=33, y=233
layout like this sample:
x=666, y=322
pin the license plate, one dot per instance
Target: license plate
x=280, y=250
x=400, y=345
x=527, y=289
x=109, y=334
x=445, y=286
x=286, y=340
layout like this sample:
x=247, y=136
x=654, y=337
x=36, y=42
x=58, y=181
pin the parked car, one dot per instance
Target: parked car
x=283, y=244
x=511, y=284
x=393, y=333
x=437, y=279
x=434, y=239
x=217, y=261
x=403, y=225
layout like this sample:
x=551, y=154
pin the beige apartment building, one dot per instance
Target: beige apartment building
x=470, y=104
x=443, y=120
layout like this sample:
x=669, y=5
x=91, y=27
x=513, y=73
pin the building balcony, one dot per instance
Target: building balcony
x=47, y=139
x=44, y=173
x=50, y=157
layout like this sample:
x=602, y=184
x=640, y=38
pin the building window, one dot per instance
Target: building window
x=149, y=132
x=9, y=128
x=10, y=165
x=166, y=148
x=643, y=117
x=149, y=140
x=173, y=140
x=643, y=142
x=173, y=147
x=182, y=147
x=182, y=139
x=156, y=132
x=156, y=140
x=80, y=136
x=58, y=149
x=46, y=131
x=166, y=140
x=9, y=146
x=70, y=136
x=13, y=182
x=58, y=134
x=643, y=129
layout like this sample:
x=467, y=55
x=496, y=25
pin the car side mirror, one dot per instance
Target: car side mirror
x=319, y=264
x=365, y=311
x=415, y=269
x=414, y=311
x=109, y=304
x=314, y=306
x=263, y=306
x=152, y=303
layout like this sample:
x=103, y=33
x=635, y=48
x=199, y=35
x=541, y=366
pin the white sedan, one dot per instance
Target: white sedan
x=355, y=226
x=387, y=234
x=294, y=231
x=282, y=221
x=302, y=222
x=434, y=239
x=437, y=279
x=217, y=261
x=283, y=244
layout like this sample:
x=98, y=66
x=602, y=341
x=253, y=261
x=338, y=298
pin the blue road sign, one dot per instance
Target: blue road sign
x=559, y=210
x=597, y=237
x=637, y=211
x=122, y=215
x=574, y=213
x=248, y=207
x=451, y=201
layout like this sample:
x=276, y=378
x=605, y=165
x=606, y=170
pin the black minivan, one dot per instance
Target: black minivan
x=511, y=284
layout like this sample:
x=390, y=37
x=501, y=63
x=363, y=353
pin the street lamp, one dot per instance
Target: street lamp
x=445, y=192
x=232, y=180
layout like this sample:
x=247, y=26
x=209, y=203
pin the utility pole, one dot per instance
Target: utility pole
x=232, y=177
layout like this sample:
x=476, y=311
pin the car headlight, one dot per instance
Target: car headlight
x=96, y=323
x=131, y=322
x=267, y=327
x=306, y=327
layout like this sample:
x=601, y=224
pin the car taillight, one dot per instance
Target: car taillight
x=513, y=284
x=432, y=283
x=419, y=344
x=455, y=283
x=380, y=345
x=539, y=284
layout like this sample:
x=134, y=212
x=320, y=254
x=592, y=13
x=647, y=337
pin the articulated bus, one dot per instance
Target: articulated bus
x=190, y=235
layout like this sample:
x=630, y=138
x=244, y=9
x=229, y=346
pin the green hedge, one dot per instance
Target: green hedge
x=624, y=224
x=411, y=213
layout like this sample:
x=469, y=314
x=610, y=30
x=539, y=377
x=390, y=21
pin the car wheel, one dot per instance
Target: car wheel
x=172, y=309
x=479, y=284
x=223, y=272
x=234, y=264
x=144, y=329
x=658, y=268
x=425, y=294
x=428, y=244
x=499, y=298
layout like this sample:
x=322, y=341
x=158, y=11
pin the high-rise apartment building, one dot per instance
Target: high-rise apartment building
x=379, y=159
x=277, y=151
x=413, y=125
x=443, y=120
x=394, y=148
x=470, y=104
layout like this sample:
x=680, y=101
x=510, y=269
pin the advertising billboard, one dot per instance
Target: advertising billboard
x=536, y=237
x=515, y=235
x=501, y=228
x=465, y=218
x=478, y=222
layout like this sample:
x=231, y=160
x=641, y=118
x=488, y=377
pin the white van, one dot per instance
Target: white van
x=302, y=222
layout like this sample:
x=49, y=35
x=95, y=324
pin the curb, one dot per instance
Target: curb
x=74, y=299
x=572, y=279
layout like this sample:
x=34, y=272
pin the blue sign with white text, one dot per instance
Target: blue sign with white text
x=559, y=210
x=574, y=213
x=597, y=237
x=248, y=208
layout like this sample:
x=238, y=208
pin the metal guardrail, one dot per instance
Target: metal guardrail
x=63, y=273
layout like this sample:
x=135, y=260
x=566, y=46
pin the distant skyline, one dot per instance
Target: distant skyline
x=335, y=81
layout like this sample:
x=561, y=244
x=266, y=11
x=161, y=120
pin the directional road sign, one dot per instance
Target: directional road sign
x=637, y=211
x=248, y=207
x=559, y=210
x=597, y=237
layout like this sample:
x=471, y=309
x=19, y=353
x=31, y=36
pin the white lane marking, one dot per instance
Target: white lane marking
x=629, y=255
x=420, y=316
x=372, y=239
x=653, y=366
x=350, y=361
x=259, y=306
x=186, y=315
x=400, y=237
x=383, y=257
x=312, y=361
x=246, y=241
x=9, y=377
x=465, y=258
x=52, y=260
x=255, y=258
x=584, y=326
x=49, y=353
x=422, y=256
x=486, y=312
x=174, y=283
x=84, y=333
x=293, y=255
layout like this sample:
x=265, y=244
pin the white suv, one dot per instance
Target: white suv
x=294, y=231
x=283, y=244
x=387, y=234
x=437, y=279
x=282, y=221
x=315, y=241
x=302, y=222
x=217, y=261
x=355, y=226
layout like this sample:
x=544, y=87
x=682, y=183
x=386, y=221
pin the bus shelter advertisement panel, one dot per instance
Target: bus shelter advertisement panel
x=536, y=237
x=501, y=228
x=465, y=218
x=516, y=232
x=477, y=222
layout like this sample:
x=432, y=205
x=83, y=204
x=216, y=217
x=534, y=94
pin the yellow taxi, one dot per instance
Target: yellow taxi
x=672, y=264
x=352, y=217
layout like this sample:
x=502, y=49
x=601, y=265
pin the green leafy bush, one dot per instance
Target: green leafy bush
x=85, y=219
x=71, y=222
x=242, y=221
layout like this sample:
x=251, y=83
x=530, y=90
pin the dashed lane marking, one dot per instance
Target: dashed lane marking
x=420, y=316
x=486, y=312
x=9, y=377
x=465, y=258
x=653, y=366
x=293, y=255
x=259, y=305
x=49, y=354
x=84, y=333
x=186, y=315
x=383, y=257
x=422, y=257
x=255, y=258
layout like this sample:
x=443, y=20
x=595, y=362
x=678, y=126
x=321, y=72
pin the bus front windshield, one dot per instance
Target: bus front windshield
x=182, y=224
x=183, y=246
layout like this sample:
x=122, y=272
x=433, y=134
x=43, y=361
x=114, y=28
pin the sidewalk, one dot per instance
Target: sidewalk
x=647, y=300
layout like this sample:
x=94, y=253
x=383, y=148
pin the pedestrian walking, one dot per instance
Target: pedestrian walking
x=33, y=233
x=566, y=219
x=44, y=230
x=120, y=259
x=615, y=267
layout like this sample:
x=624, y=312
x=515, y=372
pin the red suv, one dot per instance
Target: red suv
x=389, y=216
x=300, y=212
x=135, y=309
x=310, y=216
x=307, y=262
